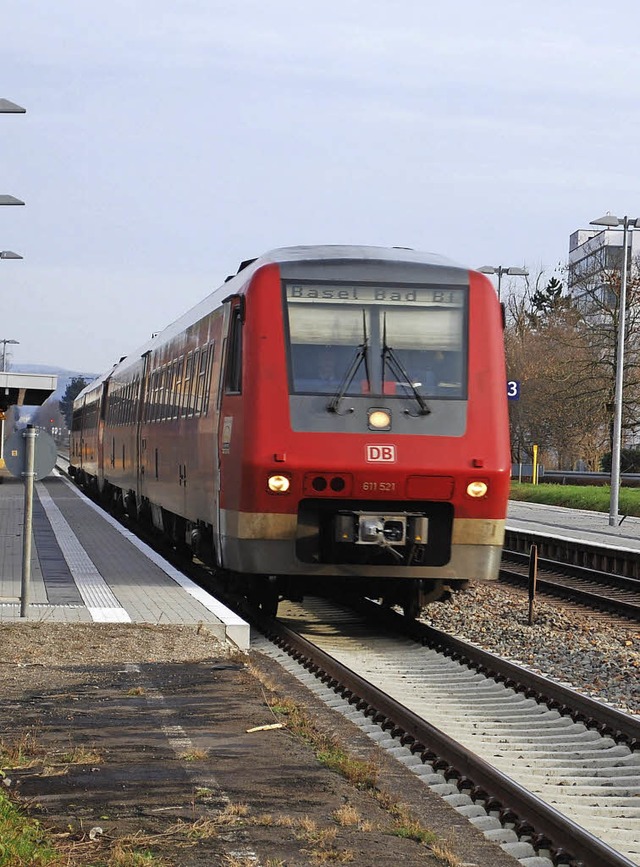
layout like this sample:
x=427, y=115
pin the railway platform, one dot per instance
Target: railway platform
x=86, y=567
x=574, y=525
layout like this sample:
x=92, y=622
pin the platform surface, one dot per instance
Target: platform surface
x=86, y=567
x=576, y=524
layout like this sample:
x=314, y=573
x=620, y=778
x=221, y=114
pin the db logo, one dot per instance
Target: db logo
x=385, y=454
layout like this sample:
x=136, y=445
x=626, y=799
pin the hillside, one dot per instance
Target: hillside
x=64, y=376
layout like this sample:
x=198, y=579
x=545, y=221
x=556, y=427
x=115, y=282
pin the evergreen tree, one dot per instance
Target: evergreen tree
x=72, y=391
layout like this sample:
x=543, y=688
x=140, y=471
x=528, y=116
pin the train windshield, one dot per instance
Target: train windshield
x=377, y=340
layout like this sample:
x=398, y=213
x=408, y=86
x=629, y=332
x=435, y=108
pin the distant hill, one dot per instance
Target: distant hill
x=64, y=376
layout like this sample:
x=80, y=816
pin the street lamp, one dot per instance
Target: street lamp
x=500, y=270
x=8, y=107
x=9, y=254
x=613, y=222
x=4, y=352
x=10, y=200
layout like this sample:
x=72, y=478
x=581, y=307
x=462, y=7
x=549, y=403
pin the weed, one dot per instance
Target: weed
x=22, y=840
x=332, y=856
x=442, y=852
x=122, y=856
x=136, y=690
x=204, y=828
x=231, y=814
x=405, y=825
x=327, y=748
x=194, y=756
x=79, y=755
x=23, y=752
x=346, y=816
x=234, y=861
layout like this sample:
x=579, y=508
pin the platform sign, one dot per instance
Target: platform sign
x=45, y=454
x=513, y=389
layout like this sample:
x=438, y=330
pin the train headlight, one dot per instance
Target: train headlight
x=278, y=484
x=379, y=419
x=477, y=489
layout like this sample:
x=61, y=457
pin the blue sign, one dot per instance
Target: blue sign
x=513, y=389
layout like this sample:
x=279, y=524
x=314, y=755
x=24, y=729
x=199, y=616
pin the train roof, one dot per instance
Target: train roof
x=326, y=253
x=342, y=252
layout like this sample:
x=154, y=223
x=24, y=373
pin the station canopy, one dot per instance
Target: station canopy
x=25, y=389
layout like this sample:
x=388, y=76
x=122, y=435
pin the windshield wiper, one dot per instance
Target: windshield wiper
x=398, y=370
x=359, y=357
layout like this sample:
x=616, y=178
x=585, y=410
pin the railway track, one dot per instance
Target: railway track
x=537, y=766
x=596, y=588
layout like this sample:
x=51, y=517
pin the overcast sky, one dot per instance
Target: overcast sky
x=164, y=142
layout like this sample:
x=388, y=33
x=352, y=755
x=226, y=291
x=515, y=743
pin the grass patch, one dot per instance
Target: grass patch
x=80, y=756
x=25, y=751
x=588, y=497
x=22, y=840
x=194, y=755
x=404, y=823
x=328, y=749
x=21, y=752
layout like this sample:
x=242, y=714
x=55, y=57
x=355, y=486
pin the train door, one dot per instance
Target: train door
x=229, y=431
x=140, y=436
x=102, y=467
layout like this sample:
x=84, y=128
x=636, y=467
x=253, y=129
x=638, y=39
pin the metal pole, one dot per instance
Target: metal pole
x=29, y=473
x=617, y=416
x=533, y=578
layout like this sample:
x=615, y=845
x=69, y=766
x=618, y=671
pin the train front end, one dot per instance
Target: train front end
x=375, y=448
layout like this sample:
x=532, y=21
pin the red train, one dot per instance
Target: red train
x=330, y=417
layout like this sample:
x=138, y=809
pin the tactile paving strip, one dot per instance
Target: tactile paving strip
x=96, y=594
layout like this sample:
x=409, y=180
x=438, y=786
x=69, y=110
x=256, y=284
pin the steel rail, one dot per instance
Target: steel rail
x=556, y=586
x=549, y=829
x=571, y=570
x=621, y=726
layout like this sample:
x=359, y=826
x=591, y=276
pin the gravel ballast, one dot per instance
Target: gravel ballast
x=597, y=654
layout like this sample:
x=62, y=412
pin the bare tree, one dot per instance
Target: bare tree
x=549, y=351
x=596, y=288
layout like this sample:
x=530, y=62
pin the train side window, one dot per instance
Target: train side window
x=188, y=371
x=202, y=379
x=178, y=365
x=153, y=413
x=193, y=383
x=207, y=381
x=164, y=392
x=233, y=373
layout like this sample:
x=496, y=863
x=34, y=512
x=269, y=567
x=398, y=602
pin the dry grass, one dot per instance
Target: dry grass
x=194, y=755
x=21, y=752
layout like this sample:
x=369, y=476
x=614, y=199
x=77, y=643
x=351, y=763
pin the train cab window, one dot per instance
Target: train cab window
x=377, y=340
x=233, y=372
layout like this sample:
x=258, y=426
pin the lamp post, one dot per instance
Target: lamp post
x=500, y=270
x=627, y=223
x=9, y=254
x=4, y=352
